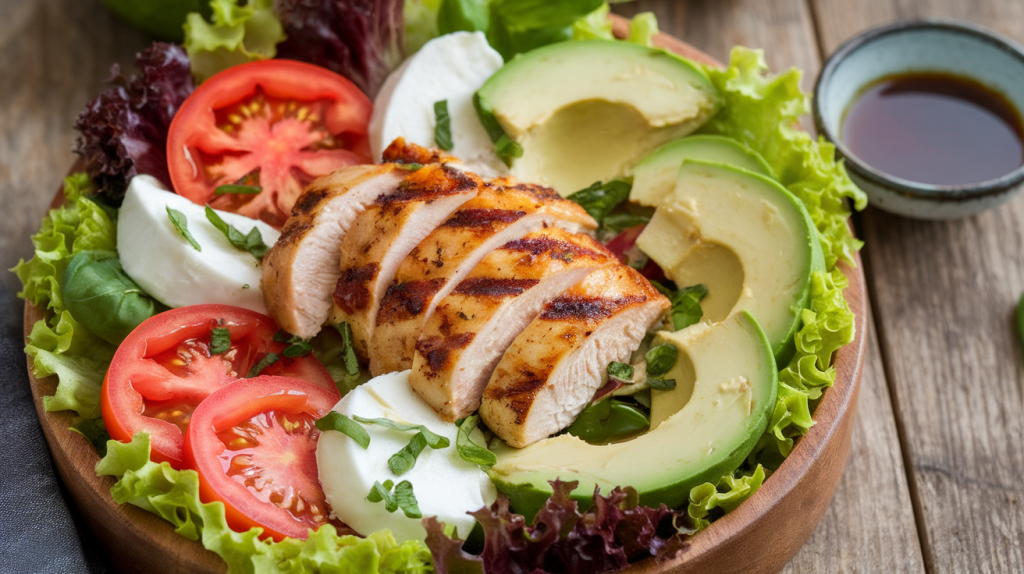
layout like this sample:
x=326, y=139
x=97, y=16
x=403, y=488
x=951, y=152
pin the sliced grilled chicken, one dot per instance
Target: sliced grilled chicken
x=383, y=235
x=554, y=367
x=471, y=328
x=504, y=211
x=301, y=270
x=401, y=151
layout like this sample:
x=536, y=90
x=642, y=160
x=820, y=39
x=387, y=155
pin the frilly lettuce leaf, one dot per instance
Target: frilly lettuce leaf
x=762, y=112
x=642, y=29
x=420, y=23
x=594, y=26
x=238, y=34
x=174, y=496
x=59, y=345
x=730, y=491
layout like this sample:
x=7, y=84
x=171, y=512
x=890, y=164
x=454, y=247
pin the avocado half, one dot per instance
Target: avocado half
x=726, y=386
x=745, y=237
x=655, y=176
x=590, y=110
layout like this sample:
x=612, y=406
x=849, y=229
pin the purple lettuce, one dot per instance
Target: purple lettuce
x=124, y=130
x=362, y=40
x=606, y=538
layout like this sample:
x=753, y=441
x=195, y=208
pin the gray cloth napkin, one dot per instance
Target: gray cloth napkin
x=39, y=529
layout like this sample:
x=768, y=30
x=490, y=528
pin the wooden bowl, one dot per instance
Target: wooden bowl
x=759, y=536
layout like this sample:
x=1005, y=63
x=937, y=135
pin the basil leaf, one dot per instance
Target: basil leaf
x=406, y=500
x=620, y=221
x=379, y=492
x=504, y=147
x=349, y=353
x=237, y=189
x=253, y=242
x=538, y=14
x=469, y=450
x=608, y=420
x=507, y=150
x=336, y=421
x=601, y=198
x=296, y=350
x=282, y=336
x=620, y=371
x=686, y=309
x=402, y=461
x=266, y=361
x=442, y=126
x=102, y=297
x=181, y=224
x=661, y=384
x=220, y=341
x=661, y=359
x=433, y=440
x=463, y=16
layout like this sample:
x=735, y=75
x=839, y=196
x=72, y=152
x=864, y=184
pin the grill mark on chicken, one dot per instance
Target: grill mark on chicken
x=519, y=396
x=351, y=293
x=494, y=287
x=586, y=308
x=479, y=218
x=407, y=300
x=437, y=350
x=293, y=232
x=309, y=200
x=553, y=248
x=429, y=183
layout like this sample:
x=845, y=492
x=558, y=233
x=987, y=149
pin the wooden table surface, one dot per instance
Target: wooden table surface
x=934, y=480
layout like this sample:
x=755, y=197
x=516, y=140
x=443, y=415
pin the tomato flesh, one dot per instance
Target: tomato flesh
x=164, y=370
x=253, y=443
x=274, y=124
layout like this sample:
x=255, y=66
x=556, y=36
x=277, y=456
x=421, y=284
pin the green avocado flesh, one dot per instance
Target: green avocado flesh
x=589, y=111
x=746, y=238
x=655, y=176
x=725, y=392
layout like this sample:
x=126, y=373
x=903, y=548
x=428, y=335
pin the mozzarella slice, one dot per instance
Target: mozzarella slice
x=452, y=67
x=445, y=485
x=162, y=261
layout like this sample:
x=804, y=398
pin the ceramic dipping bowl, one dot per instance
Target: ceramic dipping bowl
x=937, y=46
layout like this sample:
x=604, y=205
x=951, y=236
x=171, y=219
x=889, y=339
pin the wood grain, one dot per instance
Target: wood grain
x=944, y=297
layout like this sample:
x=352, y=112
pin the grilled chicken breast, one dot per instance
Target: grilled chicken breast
x=300, y=271
x=471, y=328
x=504, y=211
x=383, y=235
x=553, y=368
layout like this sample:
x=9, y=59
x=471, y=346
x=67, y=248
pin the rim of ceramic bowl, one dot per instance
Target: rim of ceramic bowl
x=966, y=192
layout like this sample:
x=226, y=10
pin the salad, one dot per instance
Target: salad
x=587, y=299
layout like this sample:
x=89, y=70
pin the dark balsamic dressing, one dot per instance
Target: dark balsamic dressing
x=934, y=128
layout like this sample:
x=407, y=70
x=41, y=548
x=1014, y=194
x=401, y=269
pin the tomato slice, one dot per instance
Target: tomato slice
x=273, y=124
x=164, y=369
x=253, y=443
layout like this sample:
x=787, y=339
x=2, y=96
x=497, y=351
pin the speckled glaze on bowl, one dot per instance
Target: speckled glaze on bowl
x=920, y=46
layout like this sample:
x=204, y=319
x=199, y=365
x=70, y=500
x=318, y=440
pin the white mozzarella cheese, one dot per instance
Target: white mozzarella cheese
x=445, y=486
x=452, y=67
x=162, y=261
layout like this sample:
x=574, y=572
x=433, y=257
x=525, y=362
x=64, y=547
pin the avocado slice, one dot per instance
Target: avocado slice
x=590, y=110
x=725, y=392
x=746, y=238
x=655, y=176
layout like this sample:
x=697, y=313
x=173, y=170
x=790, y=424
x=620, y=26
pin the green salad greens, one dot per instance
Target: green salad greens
x=174, y=496
x=237, y=34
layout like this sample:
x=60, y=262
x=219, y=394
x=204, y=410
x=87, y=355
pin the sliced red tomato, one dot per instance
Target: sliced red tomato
x=253, y=443
x=271, y=124
x=623, y=244
x=164, y=369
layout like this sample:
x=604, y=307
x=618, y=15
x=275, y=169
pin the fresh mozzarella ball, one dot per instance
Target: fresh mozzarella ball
x=452, y=67
x=445, y=486
x=165, y=264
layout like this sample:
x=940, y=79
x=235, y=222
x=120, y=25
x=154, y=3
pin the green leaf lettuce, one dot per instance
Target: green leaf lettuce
x=238, y=34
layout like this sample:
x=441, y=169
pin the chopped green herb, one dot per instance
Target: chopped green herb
x=443, y=126
x=622, y=220
x=620, y=371
x=601, y=198
x=297, y=346
x=379, y=492
x=336, y=421
x=349, y=353
x=237, y=189
x=469, y=450
x=220, y=341
x=660, y=360
x=403, y=497
x=181, y=224
x=253, y=242
x=246, y=286
x=266, y=361
x=410, y=166
x=661, y=384
x=506, y=149
x=402, y=461
x=686, y=308
x=433, y=440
